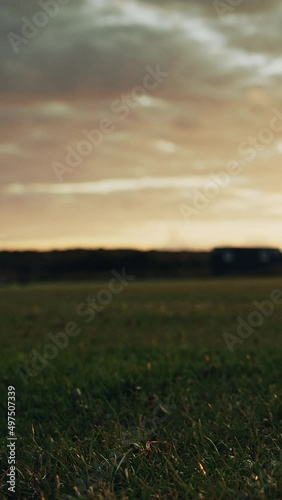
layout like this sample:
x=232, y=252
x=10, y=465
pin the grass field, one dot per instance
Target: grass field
x=146, y=402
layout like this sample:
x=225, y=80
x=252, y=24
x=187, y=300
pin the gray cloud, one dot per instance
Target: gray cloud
x=106, y=50
x=249, y=6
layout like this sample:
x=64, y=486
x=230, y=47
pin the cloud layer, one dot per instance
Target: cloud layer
x=88, y=64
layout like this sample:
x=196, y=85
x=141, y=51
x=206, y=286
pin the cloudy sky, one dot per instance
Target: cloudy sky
x=171, y=94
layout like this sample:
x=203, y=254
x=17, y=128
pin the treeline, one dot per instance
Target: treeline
x=27, y=266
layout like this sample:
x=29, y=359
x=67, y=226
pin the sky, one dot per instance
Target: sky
x=141, y=124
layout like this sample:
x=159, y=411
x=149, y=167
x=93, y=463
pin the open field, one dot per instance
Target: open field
x=146, y=401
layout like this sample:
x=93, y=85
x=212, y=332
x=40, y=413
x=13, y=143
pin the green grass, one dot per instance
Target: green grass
x=147, y=402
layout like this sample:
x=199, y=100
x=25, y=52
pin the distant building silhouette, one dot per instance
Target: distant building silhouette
x=245, y=260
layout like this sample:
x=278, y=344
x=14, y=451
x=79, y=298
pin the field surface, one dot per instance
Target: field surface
x=145, y=400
